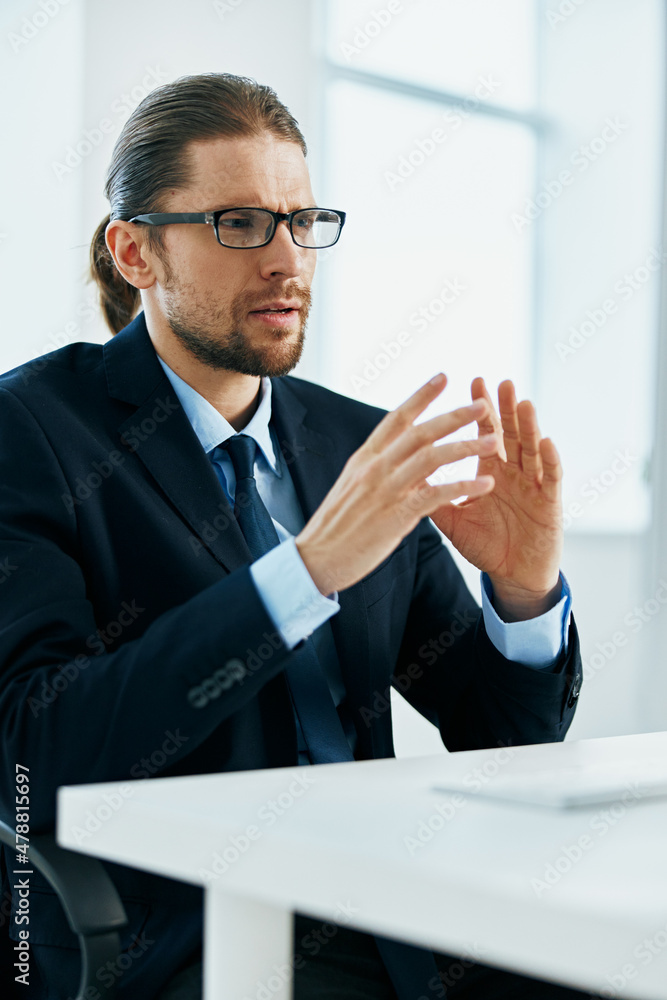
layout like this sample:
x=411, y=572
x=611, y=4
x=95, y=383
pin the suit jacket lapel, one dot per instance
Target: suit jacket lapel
x=159, y=433
x=308, y=452
x=315, y=460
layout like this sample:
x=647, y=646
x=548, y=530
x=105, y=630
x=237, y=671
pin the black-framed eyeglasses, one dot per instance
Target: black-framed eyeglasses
x=248, y=228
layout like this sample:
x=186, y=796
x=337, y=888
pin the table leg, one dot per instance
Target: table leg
x=247, y=948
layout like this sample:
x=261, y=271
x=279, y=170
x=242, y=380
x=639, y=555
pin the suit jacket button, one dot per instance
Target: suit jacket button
x=574, y=694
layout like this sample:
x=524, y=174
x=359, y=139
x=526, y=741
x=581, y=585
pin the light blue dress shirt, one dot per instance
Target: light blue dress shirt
x=290, y=596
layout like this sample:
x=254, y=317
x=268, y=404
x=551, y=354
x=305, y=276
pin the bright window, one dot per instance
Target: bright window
x=434, y=275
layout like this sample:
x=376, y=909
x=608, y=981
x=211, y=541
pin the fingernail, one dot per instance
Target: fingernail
x=437, y=378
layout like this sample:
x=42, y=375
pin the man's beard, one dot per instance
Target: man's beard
x=216, y=337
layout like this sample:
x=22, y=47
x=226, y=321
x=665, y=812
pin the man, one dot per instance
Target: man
x=242, y=600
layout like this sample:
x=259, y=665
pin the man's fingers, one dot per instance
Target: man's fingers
x=402, y=442
x=510, y=422
x=552, y=470
x=489, y=423
x=426, y=499
x=470, y=488
x=531, y=459
x=394, y=423
x=426, y=461
x=429, y=431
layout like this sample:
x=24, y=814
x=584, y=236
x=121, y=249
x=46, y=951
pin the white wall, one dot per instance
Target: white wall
x=41, y=96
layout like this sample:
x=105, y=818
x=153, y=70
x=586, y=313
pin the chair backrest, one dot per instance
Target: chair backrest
x=89, y=899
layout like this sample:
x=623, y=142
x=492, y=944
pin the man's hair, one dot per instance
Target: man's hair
x=151, y=156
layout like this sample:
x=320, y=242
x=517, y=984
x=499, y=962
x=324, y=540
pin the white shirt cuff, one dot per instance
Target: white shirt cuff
x=289, y=593
x=537, y=642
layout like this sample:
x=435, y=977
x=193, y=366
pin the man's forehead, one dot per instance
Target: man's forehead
x=247, y=171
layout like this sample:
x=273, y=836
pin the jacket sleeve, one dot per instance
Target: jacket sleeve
x=451, y=672
x=64, y=701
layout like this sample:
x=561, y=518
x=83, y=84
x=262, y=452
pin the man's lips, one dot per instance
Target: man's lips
x=281, y=305
x=277, y=314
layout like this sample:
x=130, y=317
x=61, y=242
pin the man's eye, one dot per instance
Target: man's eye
x=236, y=223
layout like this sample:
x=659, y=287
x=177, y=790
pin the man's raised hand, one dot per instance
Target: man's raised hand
x=515, y=532
x=382, y=492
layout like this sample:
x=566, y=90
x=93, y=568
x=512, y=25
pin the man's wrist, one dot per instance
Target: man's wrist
x=516, y=604
x=323, y=579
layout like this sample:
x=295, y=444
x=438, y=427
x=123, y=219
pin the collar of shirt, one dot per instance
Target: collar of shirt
x=211, y=427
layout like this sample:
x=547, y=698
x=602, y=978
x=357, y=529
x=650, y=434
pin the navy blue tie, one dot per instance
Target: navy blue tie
x=411, y=969
x=311, y=696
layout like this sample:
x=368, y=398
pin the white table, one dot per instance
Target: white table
x=331, y=841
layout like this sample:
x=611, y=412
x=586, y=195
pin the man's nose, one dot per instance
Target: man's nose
x=282, y=255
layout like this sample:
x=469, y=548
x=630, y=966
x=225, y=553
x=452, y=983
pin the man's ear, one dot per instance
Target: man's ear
x=128, y=247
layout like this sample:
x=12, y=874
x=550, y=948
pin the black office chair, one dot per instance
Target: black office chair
x=89, y=898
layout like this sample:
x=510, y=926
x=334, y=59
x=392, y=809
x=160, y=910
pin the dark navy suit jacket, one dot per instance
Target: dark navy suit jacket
x=126, y=602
